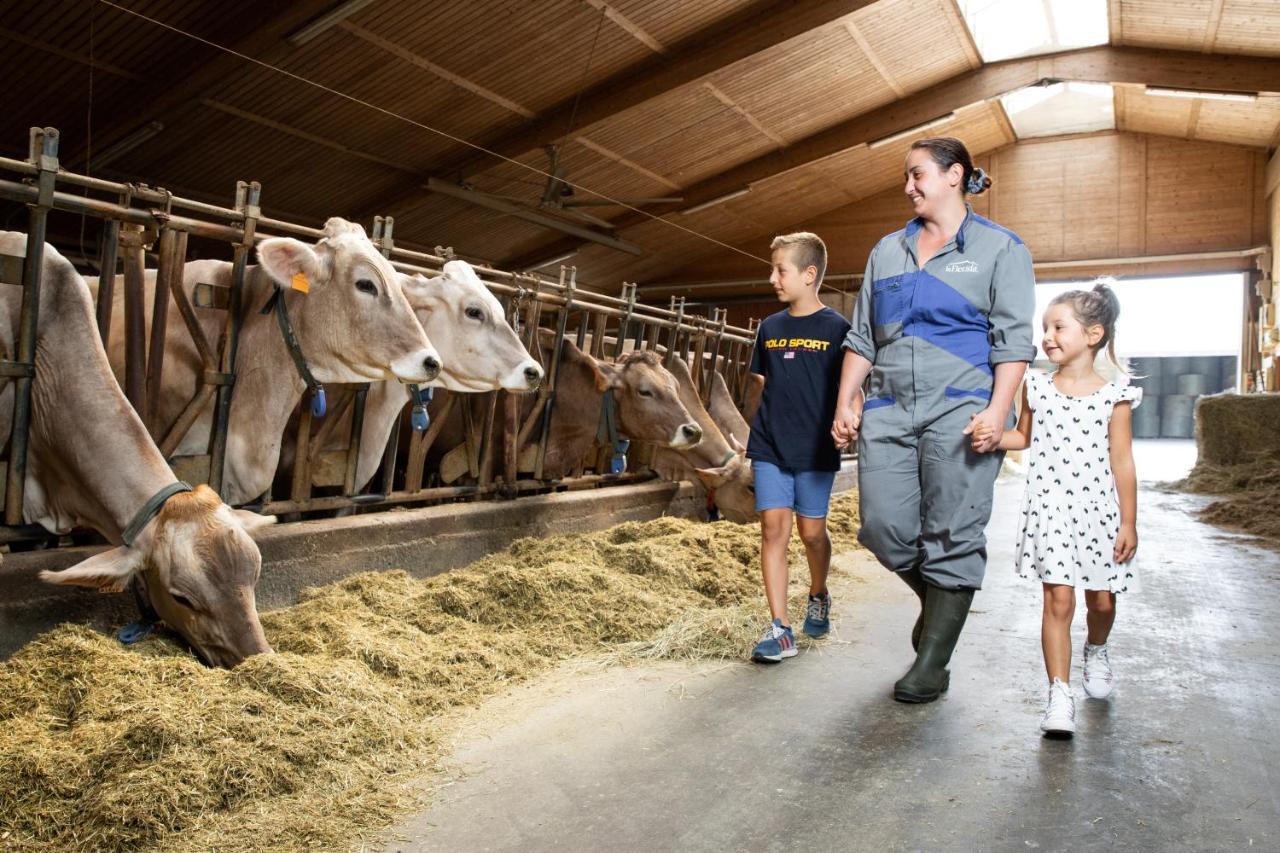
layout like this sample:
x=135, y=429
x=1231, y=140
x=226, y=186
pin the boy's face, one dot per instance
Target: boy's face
x=789, y=282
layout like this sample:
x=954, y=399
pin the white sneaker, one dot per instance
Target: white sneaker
x=1098, y=677
x=1060, y=713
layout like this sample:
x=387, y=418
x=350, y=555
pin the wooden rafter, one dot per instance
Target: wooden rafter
x=1173, y=69
x=628, y=26
x=1193, y=117
x=952, y=10
x=760, y=126
x=875, y=60
x=623, y=161
x=1115, y=20
x=69, y=54
x=1211, y=30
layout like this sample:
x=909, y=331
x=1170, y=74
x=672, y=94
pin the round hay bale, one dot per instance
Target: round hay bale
x=1146, y=418
x=1193, y=384
x=1176, y=416
x=1233, y=428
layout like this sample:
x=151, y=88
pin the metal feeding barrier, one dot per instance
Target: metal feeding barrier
x=137, y=219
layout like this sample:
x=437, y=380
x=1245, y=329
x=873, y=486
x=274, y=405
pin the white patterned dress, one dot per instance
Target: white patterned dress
x=1071, y=512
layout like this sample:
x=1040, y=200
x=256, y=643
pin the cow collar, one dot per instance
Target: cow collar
x=419, y=418
x=607, y=434
x=149, y=511
x=277, y=304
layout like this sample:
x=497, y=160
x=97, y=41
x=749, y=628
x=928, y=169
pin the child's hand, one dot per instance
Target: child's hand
x=980, y=432
x=986, y=427
x=1126, y=543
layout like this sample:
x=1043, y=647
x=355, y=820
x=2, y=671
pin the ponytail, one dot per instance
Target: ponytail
x=1097, y=307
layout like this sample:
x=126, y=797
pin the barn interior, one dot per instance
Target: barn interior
x=648, y=151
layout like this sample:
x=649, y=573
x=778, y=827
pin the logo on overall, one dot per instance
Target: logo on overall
x=961, y=266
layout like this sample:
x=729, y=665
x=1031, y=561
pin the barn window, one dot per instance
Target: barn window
x=1006, y=28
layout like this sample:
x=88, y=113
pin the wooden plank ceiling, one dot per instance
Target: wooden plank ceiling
x=644, y=98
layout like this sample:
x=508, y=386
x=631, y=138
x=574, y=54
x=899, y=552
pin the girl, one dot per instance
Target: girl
x=1079, y=515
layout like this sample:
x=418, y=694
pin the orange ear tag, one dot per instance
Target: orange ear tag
x=300, y=283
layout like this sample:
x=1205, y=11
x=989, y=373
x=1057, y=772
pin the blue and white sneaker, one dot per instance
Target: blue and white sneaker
x=817, y=616
x=777, y=643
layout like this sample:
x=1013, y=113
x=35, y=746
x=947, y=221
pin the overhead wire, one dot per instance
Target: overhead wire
x=422, y=125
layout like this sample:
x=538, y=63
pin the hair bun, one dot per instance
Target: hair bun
x=977, y=183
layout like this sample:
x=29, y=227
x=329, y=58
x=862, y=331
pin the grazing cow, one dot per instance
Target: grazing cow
x=479, y=349
x=353, y=324
x=717, y=463
x=648, y=409
x=91, y=463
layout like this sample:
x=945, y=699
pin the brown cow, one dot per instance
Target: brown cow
x=91, y=463
x=648, y=400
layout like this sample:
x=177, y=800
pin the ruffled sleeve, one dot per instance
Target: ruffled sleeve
x=1129, y=393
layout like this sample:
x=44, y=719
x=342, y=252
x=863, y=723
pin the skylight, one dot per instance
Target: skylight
x=1060, y=108
x=1003, y=29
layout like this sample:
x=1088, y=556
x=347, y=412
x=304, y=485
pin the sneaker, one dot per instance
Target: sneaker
x=1060, y=713
x=817, y=616
x=777, y=643
x=1098, y=677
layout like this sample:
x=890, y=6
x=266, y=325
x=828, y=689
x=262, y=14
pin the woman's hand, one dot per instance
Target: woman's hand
x=1126, y=543
x=844, y=430
x=986, y=427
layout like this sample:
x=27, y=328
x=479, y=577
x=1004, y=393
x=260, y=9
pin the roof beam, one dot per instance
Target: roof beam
x=186, y=84
x=1172, y=69
x=762, y=25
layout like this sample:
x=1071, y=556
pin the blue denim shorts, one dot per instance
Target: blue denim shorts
x=806, y=493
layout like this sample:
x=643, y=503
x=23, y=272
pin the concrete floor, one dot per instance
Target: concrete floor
x=813, y=754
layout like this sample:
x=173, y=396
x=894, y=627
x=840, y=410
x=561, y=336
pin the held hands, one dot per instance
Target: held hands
x=987, y=428
x=1126, y=543
x=844, y=430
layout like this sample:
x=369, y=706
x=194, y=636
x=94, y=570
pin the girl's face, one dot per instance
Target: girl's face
x=928, y=185
x=1065, y=338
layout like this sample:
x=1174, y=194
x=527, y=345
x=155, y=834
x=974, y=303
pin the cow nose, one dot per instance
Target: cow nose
x=431, y=365
x=692, y=432
x=533, y=375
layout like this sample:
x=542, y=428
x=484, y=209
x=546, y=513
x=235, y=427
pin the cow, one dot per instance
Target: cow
x=91, y=463
x=352, y=323
x=479, y=349
x=645, y=393
x=718, y=463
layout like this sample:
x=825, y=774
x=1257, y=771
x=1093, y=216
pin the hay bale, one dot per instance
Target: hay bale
x=1233, y=428
x=141, y=748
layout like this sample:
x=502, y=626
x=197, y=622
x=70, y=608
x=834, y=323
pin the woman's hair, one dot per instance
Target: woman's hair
x=1097, y=307
x=946, y=151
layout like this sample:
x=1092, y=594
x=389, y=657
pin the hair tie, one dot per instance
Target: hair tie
x=975, y=184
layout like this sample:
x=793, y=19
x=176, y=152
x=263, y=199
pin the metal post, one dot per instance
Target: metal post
x=248, y=197
x=135, y=325
x=44, y=154
x=628, y=293
x=107, y=279
x=553, y=374
x=173, y=252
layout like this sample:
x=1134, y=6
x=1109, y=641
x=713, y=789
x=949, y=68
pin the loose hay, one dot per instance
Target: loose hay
x=108, y=748
x=1232, y=428
x=1251, y=490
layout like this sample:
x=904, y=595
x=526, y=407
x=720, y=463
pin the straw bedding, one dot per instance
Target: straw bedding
x=1251, y=494
x=111, y=748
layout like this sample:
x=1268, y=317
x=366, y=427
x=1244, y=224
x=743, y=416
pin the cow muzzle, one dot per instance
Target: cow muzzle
x=687, y=436
x=419, y=367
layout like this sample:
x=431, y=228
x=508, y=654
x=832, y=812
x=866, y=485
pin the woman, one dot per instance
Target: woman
x=942, y=327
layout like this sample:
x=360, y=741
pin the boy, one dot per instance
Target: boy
x=794, y=458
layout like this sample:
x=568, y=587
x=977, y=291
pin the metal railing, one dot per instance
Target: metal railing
x=137, y=218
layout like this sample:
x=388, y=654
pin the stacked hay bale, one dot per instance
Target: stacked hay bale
x=1238, y=446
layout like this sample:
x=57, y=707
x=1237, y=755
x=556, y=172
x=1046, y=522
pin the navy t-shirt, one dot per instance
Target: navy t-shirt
x=800, y=359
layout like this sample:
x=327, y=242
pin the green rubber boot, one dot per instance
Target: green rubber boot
x=944, y=613
x=915, y=580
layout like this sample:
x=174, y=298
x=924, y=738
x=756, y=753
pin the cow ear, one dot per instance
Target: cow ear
x=283, y=258
x=712, y=478
x=109, y=571
x=251, y=521
x=734, y=443
x=608, y=375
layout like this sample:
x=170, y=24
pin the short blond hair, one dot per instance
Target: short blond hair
x=808, y=250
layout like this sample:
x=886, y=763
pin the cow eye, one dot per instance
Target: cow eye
x=364, y=285
x=475, y=314
x=182, y=600
x=645, y=392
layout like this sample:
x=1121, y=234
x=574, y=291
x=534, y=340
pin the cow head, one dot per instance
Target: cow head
x=354, y=324
x=199, y=568
x=735, y=488
x=466, y=323
x=649, y=407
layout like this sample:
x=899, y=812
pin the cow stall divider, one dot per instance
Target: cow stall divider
x=136, y=219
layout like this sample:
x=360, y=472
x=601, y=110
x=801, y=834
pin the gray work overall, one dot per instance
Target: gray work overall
x=934, y=336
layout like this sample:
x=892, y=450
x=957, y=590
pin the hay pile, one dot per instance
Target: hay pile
x=1233, y=428
x=108, y=748
x=1251, y=491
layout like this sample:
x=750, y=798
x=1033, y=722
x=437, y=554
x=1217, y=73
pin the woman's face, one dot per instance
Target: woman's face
x=928, y=186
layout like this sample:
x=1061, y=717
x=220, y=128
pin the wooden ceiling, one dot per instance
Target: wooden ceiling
x=644, y=98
